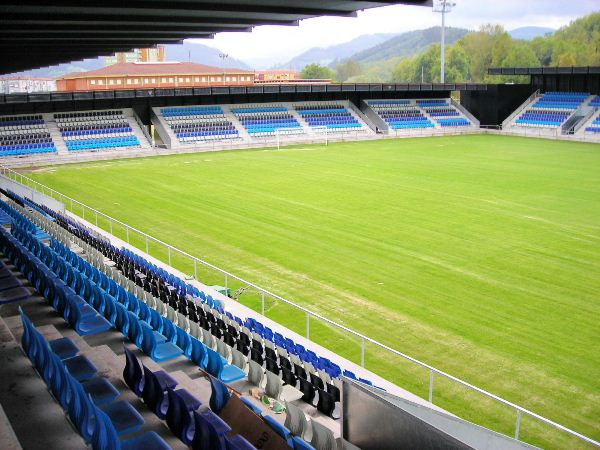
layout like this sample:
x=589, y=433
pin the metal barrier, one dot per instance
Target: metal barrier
x=93, y=215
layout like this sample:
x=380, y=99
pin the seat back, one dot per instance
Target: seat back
x=274, y=385
x=179, y=418
x=197, y=352
x=132, y=374
x=105, y=436
x=238, y=359
x=322, y=437
x=295, y=420
x=215, y=363
x=153, y=395
x=255, y=373
x=281, y=430
x=220, y=395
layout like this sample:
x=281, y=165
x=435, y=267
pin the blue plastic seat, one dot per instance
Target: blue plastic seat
x=238, y=442
x=197, y=353
x=300, y=444
x=84, y=326
x=80, y=368
x=179, y=418
x=217, y=366
x=210, y=432
x=153, y=395
x=255, y=409
x=105, y=437
x=124, y=417
x=158, y=351
x=219, y=396
x=280, y=429
x=100, y=390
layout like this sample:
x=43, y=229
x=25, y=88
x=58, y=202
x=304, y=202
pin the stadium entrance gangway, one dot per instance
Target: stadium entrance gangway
x=94, y=213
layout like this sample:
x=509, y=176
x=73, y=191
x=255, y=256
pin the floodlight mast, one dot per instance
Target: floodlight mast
x=443, y=7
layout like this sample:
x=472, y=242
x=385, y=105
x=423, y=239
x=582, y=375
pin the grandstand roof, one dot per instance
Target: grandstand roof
x=37, y=33
x=174, y=68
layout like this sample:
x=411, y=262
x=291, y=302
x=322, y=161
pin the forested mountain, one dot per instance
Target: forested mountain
x=468, y=59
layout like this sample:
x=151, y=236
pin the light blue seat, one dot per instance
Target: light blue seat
x=218, y=367
x=159, y=352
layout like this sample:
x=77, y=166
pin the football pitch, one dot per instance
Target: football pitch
x=479, y=255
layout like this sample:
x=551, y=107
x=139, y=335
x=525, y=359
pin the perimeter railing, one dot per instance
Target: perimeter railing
x=161, y=250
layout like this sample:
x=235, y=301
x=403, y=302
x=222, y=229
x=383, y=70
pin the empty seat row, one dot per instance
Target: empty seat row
x=100, y=428
x=260, y=345
x=103, y=143
x=87, y=114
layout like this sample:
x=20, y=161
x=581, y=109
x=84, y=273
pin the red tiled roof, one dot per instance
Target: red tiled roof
x=175, y=68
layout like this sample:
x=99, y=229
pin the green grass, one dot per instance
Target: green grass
x=479, y=255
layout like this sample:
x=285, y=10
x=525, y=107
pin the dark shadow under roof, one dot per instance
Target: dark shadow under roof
x=38, y=33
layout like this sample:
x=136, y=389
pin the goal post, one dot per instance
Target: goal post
x=322, y=131
x=281, y=133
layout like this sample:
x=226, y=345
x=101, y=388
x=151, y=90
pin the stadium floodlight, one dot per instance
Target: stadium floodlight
x=443, y=7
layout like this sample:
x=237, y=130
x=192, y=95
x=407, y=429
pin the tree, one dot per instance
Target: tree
x=347, y=69
x=316, y=72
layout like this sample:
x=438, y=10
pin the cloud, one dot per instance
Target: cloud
x=269, y=44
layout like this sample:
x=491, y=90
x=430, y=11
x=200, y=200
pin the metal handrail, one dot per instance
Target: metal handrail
x=364, y=339
x=519, y=109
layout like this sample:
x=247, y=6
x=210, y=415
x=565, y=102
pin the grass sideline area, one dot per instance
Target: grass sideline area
x=479, y=255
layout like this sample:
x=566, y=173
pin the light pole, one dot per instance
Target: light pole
x=443, y=7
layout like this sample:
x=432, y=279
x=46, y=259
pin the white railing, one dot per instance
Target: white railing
x=517, y=111
x=93, y=214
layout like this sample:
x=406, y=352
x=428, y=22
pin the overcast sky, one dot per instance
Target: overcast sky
x=269, y=44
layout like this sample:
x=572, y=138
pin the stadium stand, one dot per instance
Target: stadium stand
x=92, y=303
x=550, y=110
x=199, y=123
x=24, y=135
x=409, y=115
x=96, y=130
x=334, y=116
x=162, y=315
x=252, y=123
x=266, y=120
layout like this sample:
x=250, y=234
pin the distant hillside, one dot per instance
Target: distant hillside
x=202, y=54
x=529, y=33
x=407, y=44
x=326, y=55
x=62, y=69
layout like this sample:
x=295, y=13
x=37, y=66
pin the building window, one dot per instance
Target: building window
x=212, y=78
x=187, y=80
x=227, y=79
x=111, y=82
x=128, y=81
x=93, y=82
x=146, y=80
x=119, y=81
x=204, y=79
x=153, y=80
x=180, y=79
x=164, y=80
x=171, y=80
x=100, y=82
x=197, y=79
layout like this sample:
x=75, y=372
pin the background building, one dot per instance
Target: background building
x=25, y=85
x=140, y=75
x=275, y=76
x=138, y=55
